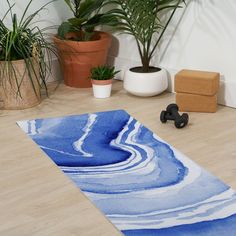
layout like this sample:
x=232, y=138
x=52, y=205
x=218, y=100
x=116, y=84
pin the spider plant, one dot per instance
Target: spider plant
x=144, y=20
x=87, y=15
x=24, y=40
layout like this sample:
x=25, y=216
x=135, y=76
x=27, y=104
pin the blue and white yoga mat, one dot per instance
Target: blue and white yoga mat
x=142, y=184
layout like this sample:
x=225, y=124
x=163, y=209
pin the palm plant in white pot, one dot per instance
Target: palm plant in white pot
x=143, y=19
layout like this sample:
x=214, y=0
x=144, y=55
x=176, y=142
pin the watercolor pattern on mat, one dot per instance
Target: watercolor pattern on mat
x=142, y=184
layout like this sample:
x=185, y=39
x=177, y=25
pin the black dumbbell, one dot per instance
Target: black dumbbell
x=172, y=113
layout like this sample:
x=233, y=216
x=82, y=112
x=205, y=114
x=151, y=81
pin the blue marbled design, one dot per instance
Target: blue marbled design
x=142, y=184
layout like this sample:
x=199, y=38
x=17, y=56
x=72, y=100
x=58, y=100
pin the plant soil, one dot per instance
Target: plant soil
x=139, y=69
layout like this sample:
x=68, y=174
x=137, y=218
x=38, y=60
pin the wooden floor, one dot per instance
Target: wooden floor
x=37, y=199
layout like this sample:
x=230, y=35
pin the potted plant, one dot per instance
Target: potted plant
x=143, y=19
x=23, y=53
x=80, y=46
x=101, y=78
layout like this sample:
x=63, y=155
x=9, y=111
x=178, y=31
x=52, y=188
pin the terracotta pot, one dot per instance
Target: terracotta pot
x=78, y=58
x=101, y=82
x=28, y=97
x=102, y=88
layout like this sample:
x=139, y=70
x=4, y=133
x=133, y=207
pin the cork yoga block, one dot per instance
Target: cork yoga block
x=196, y=103
x=197, y=82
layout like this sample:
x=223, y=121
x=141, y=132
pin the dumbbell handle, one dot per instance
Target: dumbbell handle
x=169, y=116
x=173, y=115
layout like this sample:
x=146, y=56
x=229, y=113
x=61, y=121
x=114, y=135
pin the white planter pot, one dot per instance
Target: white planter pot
x=146, y=84
x=102, y=89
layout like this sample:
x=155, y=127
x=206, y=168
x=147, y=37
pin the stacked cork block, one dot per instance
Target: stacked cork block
x=196, y=91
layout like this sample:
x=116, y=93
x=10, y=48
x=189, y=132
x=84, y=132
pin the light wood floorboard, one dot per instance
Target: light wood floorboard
x=36, y=198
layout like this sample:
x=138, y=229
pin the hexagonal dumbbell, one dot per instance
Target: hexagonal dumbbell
x=172, y=113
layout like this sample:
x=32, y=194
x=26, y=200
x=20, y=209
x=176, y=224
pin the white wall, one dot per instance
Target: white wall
x=56, y=12
x=53, y=15
x=205, y=39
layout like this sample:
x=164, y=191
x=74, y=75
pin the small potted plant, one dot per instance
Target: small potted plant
x=101, y=78
x=143, y=19
x=80, y=46
x=24, y=50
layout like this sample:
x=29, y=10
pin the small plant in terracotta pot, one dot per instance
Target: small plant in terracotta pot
x=101, y=78
x=80, y=46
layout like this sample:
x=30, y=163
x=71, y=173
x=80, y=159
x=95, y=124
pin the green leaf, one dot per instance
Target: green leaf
x=103, y=73
x=68, y=2
x=87, y=16
x=64, y=28
x=77, y=22
x=143, y=20
x=24, y=40
x=89, y=7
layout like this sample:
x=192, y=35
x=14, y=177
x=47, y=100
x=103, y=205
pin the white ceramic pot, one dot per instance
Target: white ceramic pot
x=102, y=88
x=145, y=84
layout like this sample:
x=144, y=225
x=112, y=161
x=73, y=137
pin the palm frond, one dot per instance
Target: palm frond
x=143, y=20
